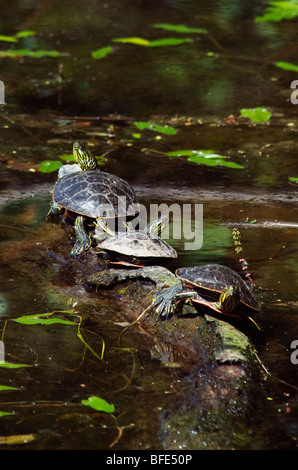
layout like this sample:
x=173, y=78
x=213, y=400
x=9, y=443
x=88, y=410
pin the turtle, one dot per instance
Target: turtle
x=214, y=287
x=138, y=247
x=91, y=194
x=215, y=290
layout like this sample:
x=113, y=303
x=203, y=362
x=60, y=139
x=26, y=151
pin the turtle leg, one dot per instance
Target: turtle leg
x=83, y=241
x=166, y=303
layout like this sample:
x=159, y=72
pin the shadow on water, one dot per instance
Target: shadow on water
x=198, y=88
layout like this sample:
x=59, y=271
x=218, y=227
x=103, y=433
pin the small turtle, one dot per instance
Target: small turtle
x=135, y=248
x=214, y=286
x=93, y=194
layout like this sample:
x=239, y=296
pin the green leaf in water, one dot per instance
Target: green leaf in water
x=287, y=66
x=99, y=404
x=15, y=37
x=48, y=166
x=293, y=179
x=133, y=40
x=169, y=42
x=40, y=319
x=25, y=34
x=6, y=387
x=155, y=43
x=33, y=54
x=214, y=162
x=44, y=321
x=151, y=126
x=10, y=365
x=4, y=413
x=102, y=52
x=205, y=157
x=180, y=28
x=256, y=114
x=67, y=157
x=7, y=38
x=278, y=11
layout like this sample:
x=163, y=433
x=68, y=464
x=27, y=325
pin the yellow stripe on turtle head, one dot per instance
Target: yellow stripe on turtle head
x=84, y=157
x=229, y=299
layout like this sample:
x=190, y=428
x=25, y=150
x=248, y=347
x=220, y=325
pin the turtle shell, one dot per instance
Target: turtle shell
x=209, y=281
x=138, y=246
x=95, y=194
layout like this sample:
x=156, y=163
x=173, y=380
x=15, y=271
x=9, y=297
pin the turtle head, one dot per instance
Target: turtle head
x=84, y=157
x=156, y=227
x=229, y=299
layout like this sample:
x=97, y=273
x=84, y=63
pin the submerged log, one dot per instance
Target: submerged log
x=217, y=378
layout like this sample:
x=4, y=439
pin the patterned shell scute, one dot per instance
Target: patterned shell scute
x=95, y=194
x=139, y=244
x=215, y=277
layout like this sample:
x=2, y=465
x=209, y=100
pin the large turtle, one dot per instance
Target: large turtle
x=138, y=247
x=92, y=194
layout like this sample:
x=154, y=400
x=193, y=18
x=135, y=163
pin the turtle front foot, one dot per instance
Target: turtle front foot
x=171, y=301
x=165, y=303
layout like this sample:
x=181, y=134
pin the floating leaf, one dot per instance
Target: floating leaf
x=151, y=126
x=6, y=387
x=133, y=40
x=7, y=38
x=102, y=52
x=28, y=53
x=256, y=114
x=155, y=43
x=287, y=66
x=15, y=37
x=99, y=404
x=67, y=157
x=278, y=11
x=169, y=42
x=48, y=166
x=10, y=365
x=180, y=28
x=40, y=319
x=44, y=321
x=205, y=157
x=214, y=162
x=24, y=34
x=4, y=413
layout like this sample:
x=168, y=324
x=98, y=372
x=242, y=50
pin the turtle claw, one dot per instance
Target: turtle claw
x=165, y=302
x=171, y=301
x=162, y=307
